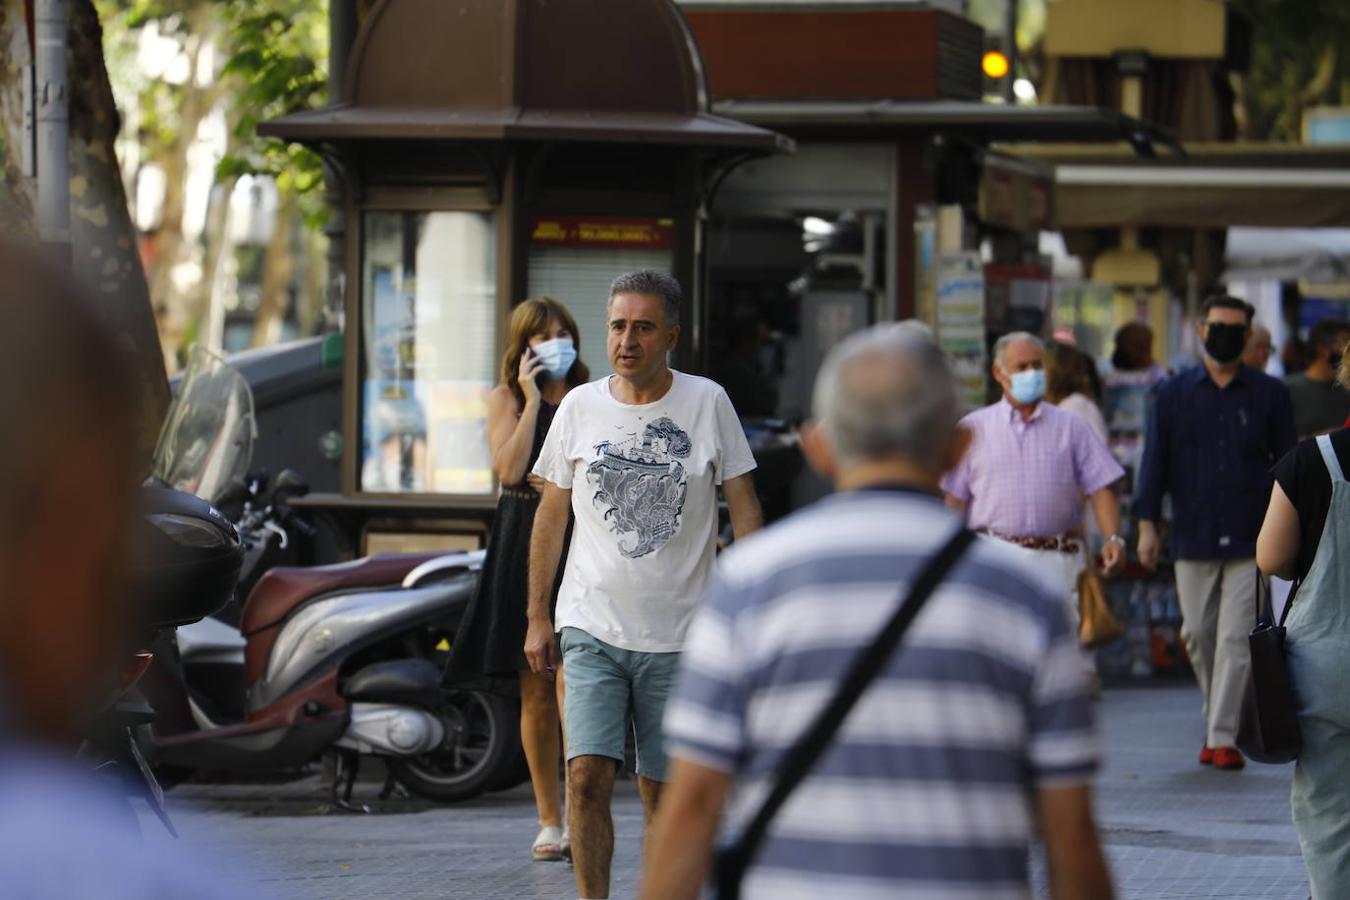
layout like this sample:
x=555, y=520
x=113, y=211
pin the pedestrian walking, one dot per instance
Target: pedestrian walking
x=538, y=369
x=1320, y=404
x=1306, y=536
x=1068, y=385
x=1213, y=434
x=638, y=458
x=977, y=726
x=1029, y=467
x=1257, y=352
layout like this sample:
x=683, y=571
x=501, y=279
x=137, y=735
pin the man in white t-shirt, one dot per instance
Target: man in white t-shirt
x=638, y=457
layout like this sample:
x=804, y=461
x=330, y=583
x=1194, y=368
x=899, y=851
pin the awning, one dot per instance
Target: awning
x=979, y=122
x=1213, y=187
x=1318, y=255
x=349, y=123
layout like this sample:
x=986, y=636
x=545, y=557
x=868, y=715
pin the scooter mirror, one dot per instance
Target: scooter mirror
x=237, y=491
x=287, y=484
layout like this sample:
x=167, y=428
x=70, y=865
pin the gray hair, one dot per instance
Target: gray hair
x=1012, y=337
x=653, y=284
x=887, y=392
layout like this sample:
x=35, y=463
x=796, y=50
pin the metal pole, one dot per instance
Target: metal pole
x=53, y=126
x=1010, y=50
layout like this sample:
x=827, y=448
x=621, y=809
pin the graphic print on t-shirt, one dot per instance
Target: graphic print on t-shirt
x=642, y=486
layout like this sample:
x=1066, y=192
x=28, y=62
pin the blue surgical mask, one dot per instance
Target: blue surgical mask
x=1028, y=386
x=556, y=356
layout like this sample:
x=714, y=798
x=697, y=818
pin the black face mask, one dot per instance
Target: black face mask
x=1224, y=343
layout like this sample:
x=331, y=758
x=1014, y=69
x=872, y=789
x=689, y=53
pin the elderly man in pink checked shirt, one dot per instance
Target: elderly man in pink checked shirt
x=1029, y=466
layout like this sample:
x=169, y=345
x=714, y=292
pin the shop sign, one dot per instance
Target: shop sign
x=602, y=232
x=961, y=321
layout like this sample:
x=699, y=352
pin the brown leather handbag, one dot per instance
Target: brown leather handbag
x=1097, y=627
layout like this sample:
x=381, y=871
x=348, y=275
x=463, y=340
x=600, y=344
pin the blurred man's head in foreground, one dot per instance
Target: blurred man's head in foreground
x=67, y=485
x=885, y=405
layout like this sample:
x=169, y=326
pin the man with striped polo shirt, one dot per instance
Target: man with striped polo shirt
x=1030, y=465
x=978, y=725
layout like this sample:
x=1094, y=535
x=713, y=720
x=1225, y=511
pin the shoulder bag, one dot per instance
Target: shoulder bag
x=732, y=862
x=1097, y=627
x=1268, y=725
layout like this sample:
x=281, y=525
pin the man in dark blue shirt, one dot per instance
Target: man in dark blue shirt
x=1214, y=434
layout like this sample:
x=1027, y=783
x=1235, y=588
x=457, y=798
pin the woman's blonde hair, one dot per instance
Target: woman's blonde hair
x=533, y=317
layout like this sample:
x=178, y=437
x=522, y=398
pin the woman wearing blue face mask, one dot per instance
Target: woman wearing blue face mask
x=539, y=368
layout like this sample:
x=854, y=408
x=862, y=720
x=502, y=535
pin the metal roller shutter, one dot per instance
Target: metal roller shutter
x=580, y=278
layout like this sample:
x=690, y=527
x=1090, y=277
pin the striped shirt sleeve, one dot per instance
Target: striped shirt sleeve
x=705, y=721
x=1063, y=743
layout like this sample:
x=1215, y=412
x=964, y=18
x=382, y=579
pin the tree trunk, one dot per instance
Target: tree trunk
x=310, y=314
x=103, y=238
x=194, y=105
x=19, y=193
x=278, y=265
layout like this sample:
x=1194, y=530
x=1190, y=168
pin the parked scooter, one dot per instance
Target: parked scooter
x=189, y=557
x=342, y=658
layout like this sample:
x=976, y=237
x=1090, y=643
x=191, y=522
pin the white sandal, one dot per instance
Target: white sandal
x=565, y=845
x=548, y=845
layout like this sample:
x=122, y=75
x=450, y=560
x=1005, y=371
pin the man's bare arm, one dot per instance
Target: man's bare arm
x=550, y=523
x=1074, y=857
x=1106, y=508
x=679, y=847
x=743, y=503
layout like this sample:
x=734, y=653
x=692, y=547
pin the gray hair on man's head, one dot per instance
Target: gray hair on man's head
x=887, y=392
x=918, y=328
x=653, y=284
x=1012, y=337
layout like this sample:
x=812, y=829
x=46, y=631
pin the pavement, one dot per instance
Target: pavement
x=1172, y=829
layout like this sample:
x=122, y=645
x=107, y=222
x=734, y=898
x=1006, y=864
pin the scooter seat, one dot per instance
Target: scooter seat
x=283, y=589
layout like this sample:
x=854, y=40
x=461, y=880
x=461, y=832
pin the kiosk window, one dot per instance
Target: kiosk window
x=428, y=351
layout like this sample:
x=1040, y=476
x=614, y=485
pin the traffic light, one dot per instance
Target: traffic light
x=996, y=69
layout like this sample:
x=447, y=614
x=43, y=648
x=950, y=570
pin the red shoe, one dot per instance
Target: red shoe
x=1228, y=758
x=1207, y=755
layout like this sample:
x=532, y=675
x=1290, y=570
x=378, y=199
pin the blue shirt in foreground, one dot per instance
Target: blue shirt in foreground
x=927, y=791
x=1213, y=450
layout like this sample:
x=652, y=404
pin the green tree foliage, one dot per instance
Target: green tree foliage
x=1300, y=59
x=275, y=62
x=277, y=54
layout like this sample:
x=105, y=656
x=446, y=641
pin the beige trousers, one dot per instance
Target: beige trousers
x=1063, y=569
x=1218, y=609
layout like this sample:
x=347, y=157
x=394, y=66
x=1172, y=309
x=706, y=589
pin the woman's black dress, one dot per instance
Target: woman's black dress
x=491, y=639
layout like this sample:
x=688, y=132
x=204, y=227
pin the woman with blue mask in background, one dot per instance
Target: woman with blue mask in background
x=538, y=369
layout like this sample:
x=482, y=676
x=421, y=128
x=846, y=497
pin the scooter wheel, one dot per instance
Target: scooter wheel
x=479, y=750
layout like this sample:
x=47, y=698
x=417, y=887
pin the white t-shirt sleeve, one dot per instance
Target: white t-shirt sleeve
x=553, y=464
x=734, y=458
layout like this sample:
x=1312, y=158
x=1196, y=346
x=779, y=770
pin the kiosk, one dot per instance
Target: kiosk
x=489, y=151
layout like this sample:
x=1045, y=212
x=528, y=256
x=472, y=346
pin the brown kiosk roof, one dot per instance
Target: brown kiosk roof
x=525, y=70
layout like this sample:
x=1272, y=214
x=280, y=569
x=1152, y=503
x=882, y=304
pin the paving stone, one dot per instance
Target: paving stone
x=1171, y=827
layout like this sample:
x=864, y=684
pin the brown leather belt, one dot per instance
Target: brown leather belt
x=1062, y=544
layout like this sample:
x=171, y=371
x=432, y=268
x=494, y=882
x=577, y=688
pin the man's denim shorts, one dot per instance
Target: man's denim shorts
x=607, y=688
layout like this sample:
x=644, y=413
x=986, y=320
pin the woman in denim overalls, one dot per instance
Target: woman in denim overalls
x=1318, y=654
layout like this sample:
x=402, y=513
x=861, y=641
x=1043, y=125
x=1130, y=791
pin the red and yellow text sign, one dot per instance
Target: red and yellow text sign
x=609, y=232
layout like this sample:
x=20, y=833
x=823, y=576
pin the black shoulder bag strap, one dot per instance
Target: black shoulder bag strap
x=797, y=762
